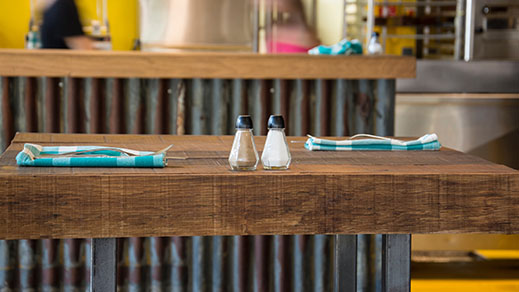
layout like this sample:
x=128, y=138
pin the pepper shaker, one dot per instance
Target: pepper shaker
x=243, y=154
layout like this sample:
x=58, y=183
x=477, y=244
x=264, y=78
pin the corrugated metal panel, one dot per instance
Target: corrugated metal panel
x=196, y=106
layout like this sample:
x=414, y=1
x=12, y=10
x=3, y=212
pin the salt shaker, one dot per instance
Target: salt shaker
x=243, y=154
x=374, y=46
x=275, y=153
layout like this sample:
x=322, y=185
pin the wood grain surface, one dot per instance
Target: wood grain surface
x=67, y=63
x=322, y=193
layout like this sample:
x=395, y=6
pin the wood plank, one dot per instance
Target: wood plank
x=103, y=64
x=323, y=193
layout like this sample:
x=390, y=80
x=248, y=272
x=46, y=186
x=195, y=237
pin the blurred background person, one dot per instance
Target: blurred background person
x=290, y=32
x=61, y=27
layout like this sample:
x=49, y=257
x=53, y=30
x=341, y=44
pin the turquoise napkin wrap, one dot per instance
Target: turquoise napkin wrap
x=89, y=156
x=343, y=47
x=426, y=142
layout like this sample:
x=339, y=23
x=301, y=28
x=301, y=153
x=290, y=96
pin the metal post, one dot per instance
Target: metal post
x=255, y=26
x=370, y=21
x=345, y=274
x=104, y=265
x=396, y=262
x=458, y=28
x=344, y=18
x=420, y=31
x=469, y=30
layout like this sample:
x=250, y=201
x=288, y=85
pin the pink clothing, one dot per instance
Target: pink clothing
x=280, y=47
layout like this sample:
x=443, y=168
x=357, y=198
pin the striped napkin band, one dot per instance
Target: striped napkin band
x=426, y=142
x=89, y=156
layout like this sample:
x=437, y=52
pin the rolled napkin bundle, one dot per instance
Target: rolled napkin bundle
x=89, y=156
x=344, y=47
x=426, y=142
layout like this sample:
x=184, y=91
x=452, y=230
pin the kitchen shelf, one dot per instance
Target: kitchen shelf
x=410, y=4
x=449, y=36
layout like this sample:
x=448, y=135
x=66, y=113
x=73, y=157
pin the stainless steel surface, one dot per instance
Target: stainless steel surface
x=494, y=29
x=396, y=262
x=485, y=126
x=197, y=24
x=104, y=264
x=459, y=76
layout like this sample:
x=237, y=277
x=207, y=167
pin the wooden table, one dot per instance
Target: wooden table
x=343, y=193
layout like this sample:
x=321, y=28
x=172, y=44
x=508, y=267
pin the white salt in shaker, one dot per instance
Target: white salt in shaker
x=275, y=153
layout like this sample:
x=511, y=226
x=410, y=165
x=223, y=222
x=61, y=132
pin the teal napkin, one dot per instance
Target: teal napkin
x=426, y=142
x=89, y=156
x=344, y=47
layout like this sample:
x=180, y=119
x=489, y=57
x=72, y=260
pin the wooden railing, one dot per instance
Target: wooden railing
x=61, y=63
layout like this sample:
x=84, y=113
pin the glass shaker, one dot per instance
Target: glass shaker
x=374, y=46
x=243, y=154
x=275, y=153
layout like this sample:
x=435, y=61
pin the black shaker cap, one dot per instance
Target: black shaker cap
x=276, y=122
x=244, y=122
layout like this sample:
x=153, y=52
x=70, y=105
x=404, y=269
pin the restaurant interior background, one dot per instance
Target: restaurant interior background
x=466, y=91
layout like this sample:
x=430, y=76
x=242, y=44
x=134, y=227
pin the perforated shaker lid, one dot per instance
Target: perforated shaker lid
x=276, y=122
x=244, y=122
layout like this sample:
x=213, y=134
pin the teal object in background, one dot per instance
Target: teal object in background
x=88, y=156
x=344, y=47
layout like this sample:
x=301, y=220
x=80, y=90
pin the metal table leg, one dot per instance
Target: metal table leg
x=345, y=276
x=396, y=262
x=104, y=265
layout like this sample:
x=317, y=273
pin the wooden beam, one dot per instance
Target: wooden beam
x=60, y=63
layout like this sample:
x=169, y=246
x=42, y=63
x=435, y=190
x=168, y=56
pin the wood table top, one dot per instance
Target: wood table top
x=323, y=192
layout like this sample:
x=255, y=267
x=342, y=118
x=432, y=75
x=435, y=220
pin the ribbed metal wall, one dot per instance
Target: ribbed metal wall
x=194, y=106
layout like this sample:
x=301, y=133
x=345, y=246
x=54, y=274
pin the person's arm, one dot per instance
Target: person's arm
x=67, y=26
x=79, y=42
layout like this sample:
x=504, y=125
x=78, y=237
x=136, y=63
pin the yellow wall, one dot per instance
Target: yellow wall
x=122, y=16
x=14, y=23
